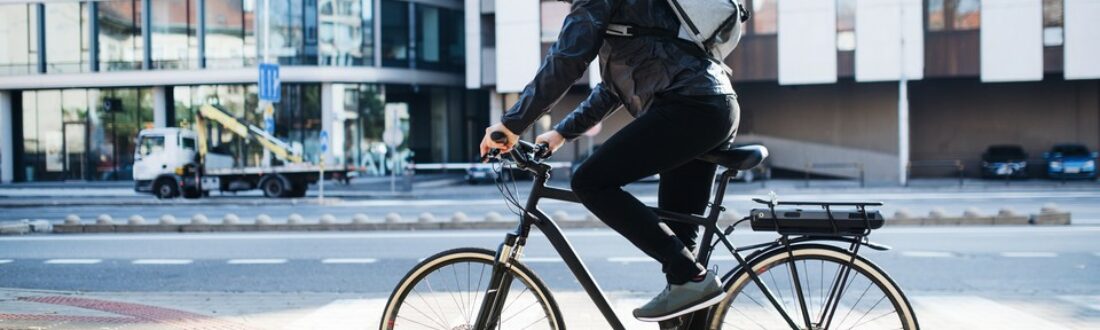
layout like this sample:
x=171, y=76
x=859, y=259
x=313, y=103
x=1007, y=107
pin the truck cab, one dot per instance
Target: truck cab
x=161, y=160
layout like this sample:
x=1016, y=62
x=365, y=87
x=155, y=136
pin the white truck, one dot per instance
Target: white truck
x=173, y=162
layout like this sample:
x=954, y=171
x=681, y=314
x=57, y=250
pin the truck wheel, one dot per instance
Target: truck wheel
x=165, y=189
x=274, y=187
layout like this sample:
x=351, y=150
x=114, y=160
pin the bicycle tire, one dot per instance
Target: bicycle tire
x=470, y=256
x=739, y=279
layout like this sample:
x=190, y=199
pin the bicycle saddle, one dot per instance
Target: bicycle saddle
x=736, y=157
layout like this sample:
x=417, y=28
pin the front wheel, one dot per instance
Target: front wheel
x=869, y=298
x=445, y=291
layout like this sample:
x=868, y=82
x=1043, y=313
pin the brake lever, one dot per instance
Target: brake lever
x=543, y=151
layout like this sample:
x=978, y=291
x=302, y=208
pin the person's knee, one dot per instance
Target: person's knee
x=582, y=183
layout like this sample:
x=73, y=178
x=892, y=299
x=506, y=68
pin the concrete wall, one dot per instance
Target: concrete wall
x=959, y=118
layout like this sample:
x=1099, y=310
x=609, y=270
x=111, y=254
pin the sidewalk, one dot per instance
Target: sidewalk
x=31, y=309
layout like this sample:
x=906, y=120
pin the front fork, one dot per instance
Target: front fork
x=495, y=294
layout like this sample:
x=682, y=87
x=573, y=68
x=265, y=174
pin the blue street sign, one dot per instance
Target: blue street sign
x=269, y=82
x=269, y=125
x=324, y=141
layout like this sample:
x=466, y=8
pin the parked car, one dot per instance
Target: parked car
x=1070, y=161
x=481, y=173
x=1000, y=161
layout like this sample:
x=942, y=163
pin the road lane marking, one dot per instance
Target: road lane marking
x=256, y=261
x=1029, y=254
x=349, y=261
x=73, y=261
x=5, y=261
x=627, y=260
x=162, y=261
x=532, y=260
x=927, y=254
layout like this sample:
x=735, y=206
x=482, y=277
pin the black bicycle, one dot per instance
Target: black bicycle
x=810, y=277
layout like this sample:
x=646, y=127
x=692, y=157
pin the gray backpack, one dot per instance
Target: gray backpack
x=715, y=26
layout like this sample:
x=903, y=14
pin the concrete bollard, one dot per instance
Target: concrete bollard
x=104, y=219
x=425, y=218
x=937, y=213
x=167, y=219
x=973, y=212
x=294, y=219
x=327, y=219
x=359, y=219
x=1050, y=208
x=392, y=217
x=72, y=219
x=136, y=220
x=1008, y=216
x=560, y=215
x=230, y=219
x=493, y=217
x=263, y=219
x=198, y=219
x=903, y=213
x=1007, y=212
x=459, y=217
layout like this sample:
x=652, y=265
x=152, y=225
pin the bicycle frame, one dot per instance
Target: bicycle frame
x=515, y=241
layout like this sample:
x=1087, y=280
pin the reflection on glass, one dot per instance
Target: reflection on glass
x=395, y=33
x=66, y=44
x=439, y=39
x=948, y=15
x=229, y=33
x=175, y=42
x=120, y=43
x=552, y=17
x=346, y=32
x=74, y=127
x=368, y=121
x=846, y=25
x=1052, y=23
x=293, y=32
x=18, y=40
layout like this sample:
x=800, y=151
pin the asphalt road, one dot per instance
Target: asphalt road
x=989, y=261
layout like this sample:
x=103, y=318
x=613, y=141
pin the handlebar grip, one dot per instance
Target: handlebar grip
x=498, y=137
x=544, y=151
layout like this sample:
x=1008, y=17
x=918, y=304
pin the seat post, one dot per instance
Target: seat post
x=720, y=193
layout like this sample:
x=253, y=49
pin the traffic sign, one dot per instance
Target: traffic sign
x=324, y=141
x=269, y=82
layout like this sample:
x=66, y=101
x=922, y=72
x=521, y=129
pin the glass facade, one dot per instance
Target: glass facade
x=375, y=131
x=67, y=41
x=765, y=14
x=230, y=32
x=81, y=134
x=293, y=32
x=954, y=15
x=1052, y=23
x=346, y=32
x=18, y=39
x=175, y=42
x=845, y=25
x=439, y=41
x=120, y=41
x=395, y=33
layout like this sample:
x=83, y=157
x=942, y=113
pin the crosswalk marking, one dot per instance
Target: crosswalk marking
x=927, y=254
x=971, y=312
x=73, y=261
x=349, y=261
x=162, y=261
x=5, y=261
x=627, y=260
x=256, y=261
x=1029, y=254
x=541, y=259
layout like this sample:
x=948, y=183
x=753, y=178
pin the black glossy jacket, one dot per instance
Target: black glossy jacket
x=634, y=69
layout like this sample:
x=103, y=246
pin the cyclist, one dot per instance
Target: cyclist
x=684, y=105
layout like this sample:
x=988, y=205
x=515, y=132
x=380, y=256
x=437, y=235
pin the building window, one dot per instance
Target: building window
x=395, y=33
x=293, y=31
x=439, y=36
x=18, y=39
x=764, y=17
x=120, y=41
x=175, y=43
x=82, y=134
x=1052, y=23
x=954, y=15
x=66, y=37
x=230, y=36
x=553, y=15
x=346, y=35
x=846, y=25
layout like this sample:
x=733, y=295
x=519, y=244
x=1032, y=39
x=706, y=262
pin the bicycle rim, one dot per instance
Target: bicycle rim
x=446, y=292
x=869, y=299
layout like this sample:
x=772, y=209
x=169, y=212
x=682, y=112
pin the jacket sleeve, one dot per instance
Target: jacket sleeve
x=579, y=42
x=599, y=104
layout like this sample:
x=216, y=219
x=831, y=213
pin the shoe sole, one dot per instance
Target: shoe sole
x=689, y=309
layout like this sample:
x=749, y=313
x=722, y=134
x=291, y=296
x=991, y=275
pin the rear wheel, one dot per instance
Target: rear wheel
x=274, y=187
x=445, y=291
x=869, y=299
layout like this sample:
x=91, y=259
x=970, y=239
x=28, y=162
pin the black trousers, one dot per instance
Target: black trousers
x=665, y=140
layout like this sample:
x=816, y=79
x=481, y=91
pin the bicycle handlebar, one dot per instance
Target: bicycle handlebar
x=523, y=153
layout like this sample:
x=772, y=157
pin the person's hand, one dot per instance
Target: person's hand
x=487, y=142
x=552, y=138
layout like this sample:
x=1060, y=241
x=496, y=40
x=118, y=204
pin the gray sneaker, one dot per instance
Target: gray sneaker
x=676, y=300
